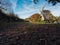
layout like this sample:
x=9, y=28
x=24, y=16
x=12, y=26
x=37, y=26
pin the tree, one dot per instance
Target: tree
x=35, y=18
x=54, y=2
x=5, y=6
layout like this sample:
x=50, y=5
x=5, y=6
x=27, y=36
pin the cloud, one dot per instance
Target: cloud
x=27, y=10
x=13, y=4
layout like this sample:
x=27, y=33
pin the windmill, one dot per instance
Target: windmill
x=48, y=17
x=41, y=11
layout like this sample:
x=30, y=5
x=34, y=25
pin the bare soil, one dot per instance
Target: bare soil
x=30, y=34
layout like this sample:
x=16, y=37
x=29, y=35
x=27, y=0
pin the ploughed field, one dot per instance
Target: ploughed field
x=30, y=34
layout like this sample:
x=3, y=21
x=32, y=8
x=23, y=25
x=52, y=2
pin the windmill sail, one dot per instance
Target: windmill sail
x=43, y=6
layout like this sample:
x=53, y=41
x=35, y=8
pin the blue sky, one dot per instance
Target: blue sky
x=25, y=8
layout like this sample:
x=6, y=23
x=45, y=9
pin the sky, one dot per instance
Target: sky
x=26, y=8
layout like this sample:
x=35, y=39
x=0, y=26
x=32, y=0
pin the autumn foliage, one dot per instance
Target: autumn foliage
x=35, y=17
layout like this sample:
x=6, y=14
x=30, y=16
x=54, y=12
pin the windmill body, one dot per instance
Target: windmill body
x=46, y=14
x=48, y=17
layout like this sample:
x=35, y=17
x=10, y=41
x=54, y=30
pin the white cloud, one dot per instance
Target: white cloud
x=27, y=10
x=14, y=4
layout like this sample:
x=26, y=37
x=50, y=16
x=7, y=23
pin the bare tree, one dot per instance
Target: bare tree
x=35, y=1
x=5, y=6
x=54, y=2
x=1, y=6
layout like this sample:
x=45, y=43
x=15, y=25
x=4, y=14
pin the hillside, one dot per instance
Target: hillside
x=9, y=18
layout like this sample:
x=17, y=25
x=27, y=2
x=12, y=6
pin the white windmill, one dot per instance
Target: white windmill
x=46, y=14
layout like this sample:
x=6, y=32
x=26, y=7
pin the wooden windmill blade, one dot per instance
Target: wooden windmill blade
x=43, y=6
x=41, y=10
